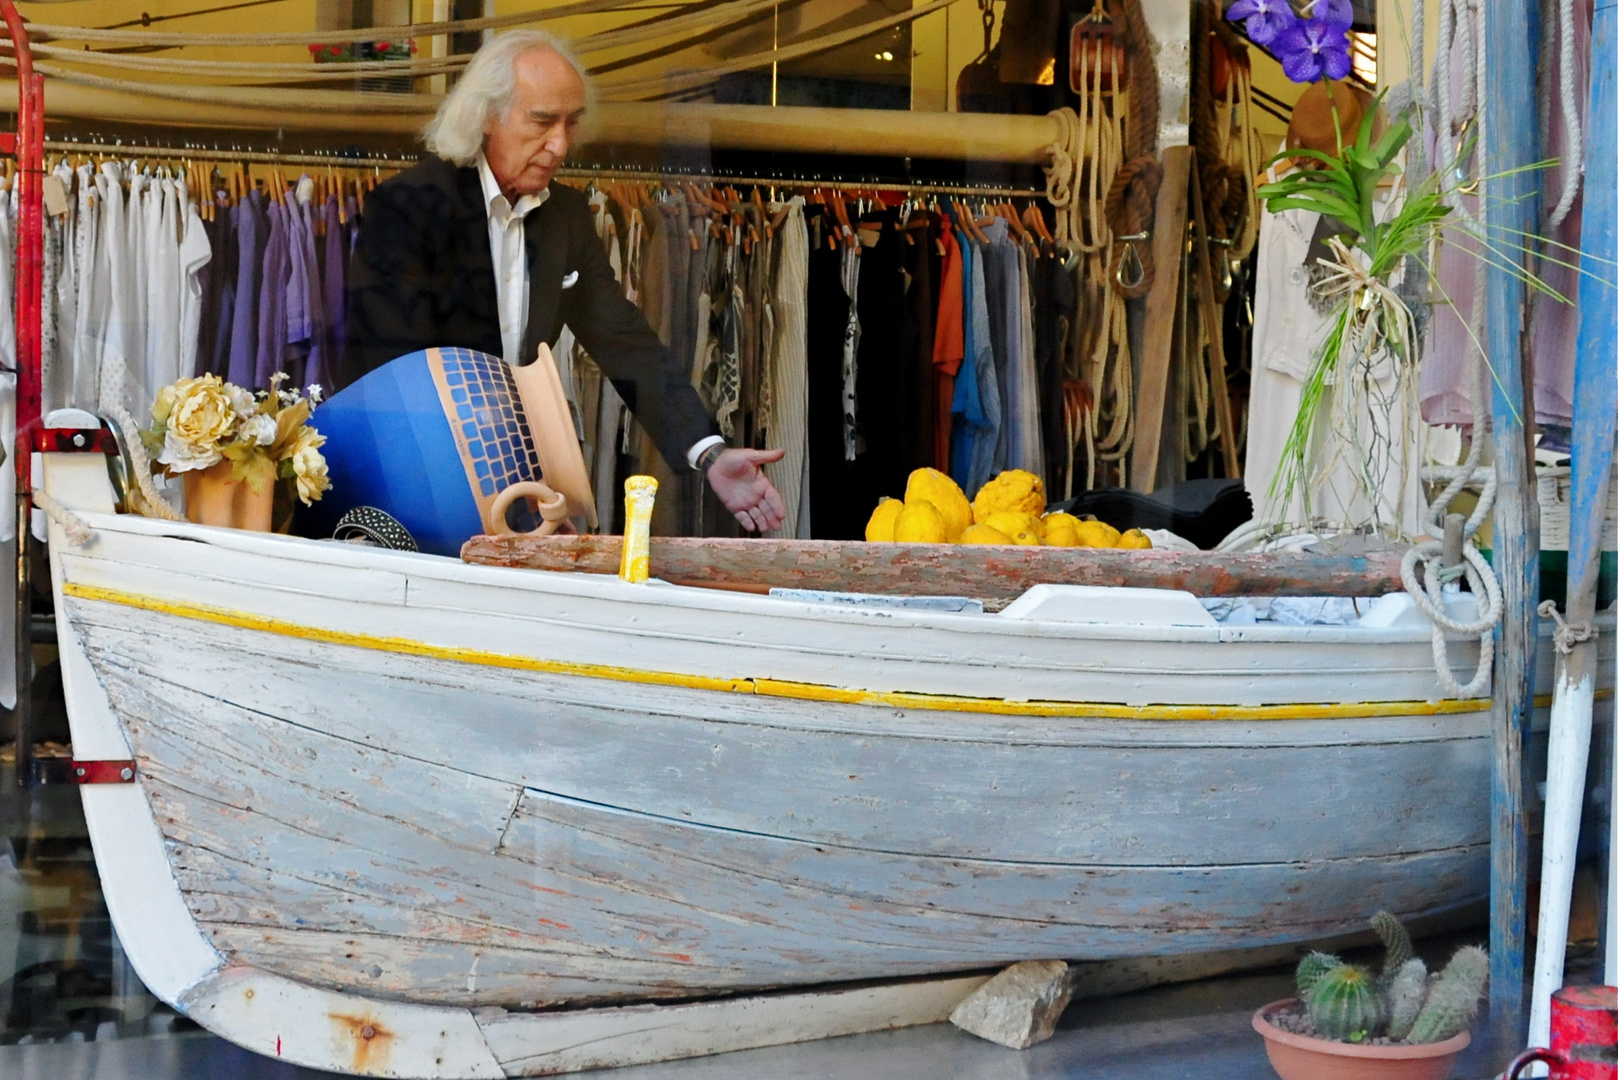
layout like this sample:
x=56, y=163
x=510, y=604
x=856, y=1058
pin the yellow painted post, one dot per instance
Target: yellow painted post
x=640, y=492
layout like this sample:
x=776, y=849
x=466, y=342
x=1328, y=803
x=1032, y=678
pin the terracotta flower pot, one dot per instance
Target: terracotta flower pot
x=212, y=497
x=1303, y=1057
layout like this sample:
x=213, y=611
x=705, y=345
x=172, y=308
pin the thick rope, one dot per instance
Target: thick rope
x=1566, y=634
x=1132, y=198
x=1428, y=594
x=1572, y=125
x=78, y=533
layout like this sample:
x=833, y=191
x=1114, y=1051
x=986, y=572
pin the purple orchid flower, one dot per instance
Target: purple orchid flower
x=1311, y=48
x=1338, y=14
x=1266, y=19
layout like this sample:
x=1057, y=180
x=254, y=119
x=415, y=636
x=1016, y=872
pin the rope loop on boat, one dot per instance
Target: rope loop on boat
x=1428, y=594
x=78, y=533
x=1566, y=634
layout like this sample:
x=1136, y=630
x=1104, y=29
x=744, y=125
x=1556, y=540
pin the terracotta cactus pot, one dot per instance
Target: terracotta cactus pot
x=1303, y=1057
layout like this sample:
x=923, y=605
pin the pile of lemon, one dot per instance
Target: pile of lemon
x=1010, y=509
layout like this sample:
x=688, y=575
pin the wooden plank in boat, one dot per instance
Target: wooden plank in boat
x=986, y=572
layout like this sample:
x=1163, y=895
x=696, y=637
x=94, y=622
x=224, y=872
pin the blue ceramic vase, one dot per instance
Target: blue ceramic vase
x=431, y=438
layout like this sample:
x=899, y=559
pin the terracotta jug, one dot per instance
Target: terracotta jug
x=213, y=497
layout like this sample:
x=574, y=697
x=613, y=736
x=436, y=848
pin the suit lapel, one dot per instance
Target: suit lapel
x=545, y=234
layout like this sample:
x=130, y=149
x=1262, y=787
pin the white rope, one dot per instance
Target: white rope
x=1427, y=592
x=78, y=533
x=1572, y=126
x=1566, y=634
x=144, y=500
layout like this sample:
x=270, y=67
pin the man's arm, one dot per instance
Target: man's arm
x=653, y=383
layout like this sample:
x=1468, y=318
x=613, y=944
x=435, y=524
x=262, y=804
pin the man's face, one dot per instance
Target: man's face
x=527, y=145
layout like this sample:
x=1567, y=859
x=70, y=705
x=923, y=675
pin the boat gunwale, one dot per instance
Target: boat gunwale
x=660, y=594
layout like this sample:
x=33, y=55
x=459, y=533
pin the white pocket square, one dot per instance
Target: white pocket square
x=570, y=280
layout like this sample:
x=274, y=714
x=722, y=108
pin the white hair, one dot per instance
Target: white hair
x=486, y=90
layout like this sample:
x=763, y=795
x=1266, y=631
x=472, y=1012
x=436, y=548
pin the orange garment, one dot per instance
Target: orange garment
x=949, y=343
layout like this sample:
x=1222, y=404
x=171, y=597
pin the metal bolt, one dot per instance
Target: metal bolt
x=78, y=440
x=79, y=771
x=126, y=773
x=367, y=1032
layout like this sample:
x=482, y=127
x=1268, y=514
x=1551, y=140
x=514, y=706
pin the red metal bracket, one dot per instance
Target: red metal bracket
x=75, y=441
x=8, y=143
x=103, y=772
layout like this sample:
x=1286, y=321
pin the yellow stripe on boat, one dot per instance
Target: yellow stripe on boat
x=783, y=688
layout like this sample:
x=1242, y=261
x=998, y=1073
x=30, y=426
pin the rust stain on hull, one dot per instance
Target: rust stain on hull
x=372, y=1043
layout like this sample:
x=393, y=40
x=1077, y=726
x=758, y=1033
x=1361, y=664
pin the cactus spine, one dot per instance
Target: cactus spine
x=1344, y=1004
x=1406, y=993
x=1453, y=1000
x=1311, y=968
x=1396, y=940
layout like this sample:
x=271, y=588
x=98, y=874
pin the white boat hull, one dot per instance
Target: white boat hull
x=423, y=785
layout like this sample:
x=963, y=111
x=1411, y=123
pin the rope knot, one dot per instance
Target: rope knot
x=1566, y=634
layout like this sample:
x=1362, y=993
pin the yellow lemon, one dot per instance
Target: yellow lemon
x=1134, y=540
x=1021, y=528
x=1096, y=534
x=883, y=518
x=945, y=495
x=1059, y=520
x=1061, y=534
x=984, y=534
x=1013, y=489
x=920, y=523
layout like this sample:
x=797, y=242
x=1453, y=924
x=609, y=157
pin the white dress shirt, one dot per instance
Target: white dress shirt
x=508, y=246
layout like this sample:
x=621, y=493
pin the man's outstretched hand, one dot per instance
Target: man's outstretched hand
x=744, y=489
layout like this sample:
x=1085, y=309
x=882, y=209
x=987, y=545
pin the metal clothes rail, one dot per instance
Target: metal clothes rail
x=338, y=160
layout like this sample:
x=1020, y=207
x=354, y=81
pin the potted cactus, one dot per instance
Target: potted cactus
x=1398, y=1023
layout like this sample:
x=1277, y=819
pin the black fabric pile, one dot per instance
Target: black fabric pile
x=1202, y=511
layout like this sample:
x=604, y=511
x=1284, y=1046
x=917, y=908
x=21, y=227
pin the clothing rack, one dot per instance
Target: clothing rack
x=575, y=172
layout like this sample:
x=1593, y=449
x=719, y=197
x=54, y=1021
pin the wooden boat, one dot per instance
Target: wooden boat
x=398, y=815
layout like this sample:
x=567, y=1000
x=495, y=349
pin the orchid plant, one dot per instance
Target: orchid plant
x=1371, y=325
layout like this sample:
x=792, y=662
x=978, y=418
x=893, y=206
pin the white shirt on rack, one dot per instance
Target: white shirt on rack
x=508, y=247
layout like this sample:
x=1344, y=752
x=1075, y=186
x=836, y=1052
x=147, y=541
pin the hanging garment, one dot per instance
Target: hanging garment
x=789, y=395
x=917, y=398
x=882, y=467
x=1026, y=448
x=986, y=423
x=62, y=291
x=1053, y=315
x=323, y=371
x=833, y=510
x=252, y=228
x=949, y=344
x=1287, y=331
x=112, y=366
x=1003, y=295
x=850, y=273
x=270, y=355
x=90, y=312
x=195, y=255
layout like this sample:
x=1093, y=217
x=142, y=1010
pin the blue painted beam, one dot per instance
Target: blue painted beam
x=1510, y=139
x=1595, y=398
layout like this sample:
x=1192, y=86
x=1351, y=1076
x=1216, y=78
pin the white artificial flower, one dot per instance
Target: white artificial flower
x=288, y=397
x=259, y=430
x=182, y=456
x=315, y=393
x=241, y=401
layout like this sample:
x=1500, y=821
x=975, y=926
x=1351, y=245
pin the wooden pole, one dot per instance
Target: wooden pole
x=794, y=129
x=1507, y=142
x=1157, y=351
x=1595, y=402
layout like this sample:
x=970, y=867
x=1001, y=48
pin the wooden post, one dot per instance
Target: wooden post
x=1168, y=254
x=1595, y=401
x=1508, y=143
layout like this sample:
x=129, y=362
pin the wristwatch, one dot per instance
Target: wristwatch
x=709, y=455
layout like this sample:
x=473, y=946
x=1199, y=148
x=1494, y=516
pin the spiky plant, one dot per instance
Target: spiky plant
x=1350, y=1004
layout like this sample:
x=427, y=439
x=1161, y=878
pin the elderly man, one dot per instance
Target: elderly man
x=475, y=247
